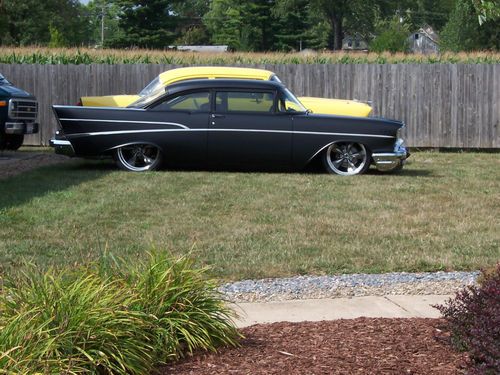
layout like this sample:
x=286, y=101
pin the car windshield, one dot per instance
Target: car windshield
x=289, y=103
x=152, y=87
x=3, y=81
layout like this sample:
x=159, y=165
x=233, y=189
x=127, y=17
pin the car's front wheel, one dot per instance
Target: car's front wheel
x=346, y=158
x=138, y=157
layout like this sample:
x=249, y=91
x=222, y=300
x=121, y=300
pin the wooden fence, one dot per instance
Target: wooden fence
x=443, y=105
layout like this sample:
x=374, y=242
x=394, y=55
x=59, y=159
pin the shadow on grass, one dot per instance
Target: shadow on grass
x=36, y=183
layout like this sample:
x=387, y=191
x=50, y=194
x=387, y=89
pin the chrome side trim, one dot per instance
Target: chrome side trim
x=125, y=121
x=225, y=130
x=104, y=108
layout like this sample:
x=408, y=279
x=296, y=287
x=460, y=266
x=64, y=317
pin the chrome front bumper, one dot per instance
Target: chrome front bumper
x=62, y=147
x=20, y=127
x=387, y=161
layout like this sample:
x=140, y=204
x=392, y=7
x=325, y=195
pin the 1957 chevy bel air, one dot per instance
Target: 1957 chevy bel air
x=326, y=106
x=231, y=123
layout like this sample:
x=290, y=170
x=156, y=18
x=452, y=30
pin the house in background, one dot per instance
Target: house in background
x=425, y=41
x=354, y=43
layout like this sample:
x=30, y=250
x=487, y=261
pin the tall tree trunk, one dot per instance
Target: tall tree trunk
x=337, y=33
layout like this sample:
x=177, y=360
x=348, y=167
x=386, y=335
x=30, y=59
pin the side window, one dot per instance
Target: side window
x=194, y=102
x=244, y=101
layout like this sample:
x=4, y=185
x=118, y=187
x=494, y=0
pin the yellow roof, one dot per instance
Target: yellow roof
x=180, y=74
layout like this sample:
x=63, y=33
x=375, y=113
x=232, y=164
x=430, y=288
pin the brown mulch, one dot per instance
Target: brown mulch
x=352, y=346
x=9, y=168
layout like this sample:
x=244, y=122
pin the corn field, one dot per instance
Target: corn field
x=86, y=56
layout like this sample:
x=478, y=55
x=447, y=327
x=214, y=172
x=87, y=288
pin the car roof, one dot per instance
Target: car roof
x=196, y=84
x=204, y=72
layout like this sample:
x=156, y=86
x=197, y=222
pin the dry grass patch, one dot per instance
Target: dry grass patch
x=440, y=213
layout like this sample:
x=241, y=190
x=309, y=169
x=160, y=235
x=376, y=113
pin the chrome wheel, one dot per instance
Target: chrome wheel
x=138, y=158
x=346, y=158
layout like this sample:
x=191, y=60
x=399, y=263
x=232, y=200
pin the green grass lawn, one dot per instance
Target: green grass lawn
x=441, y=213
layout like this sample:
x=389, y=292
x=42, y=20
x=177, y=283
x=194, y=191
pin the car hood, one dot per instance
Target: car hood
x=13, y=91
x=108, y=101
x=340, y=107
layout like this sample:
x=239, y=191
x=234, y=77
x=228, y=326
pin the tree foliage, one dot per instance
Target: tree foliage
x=464, y=33
x=146, y=23
x=392, y=36
x=258, y=25
x=38, y=22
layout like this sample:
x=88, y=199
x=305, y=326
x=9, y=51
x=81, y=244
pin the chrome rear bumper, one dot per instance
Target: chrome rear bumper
x=387, y=161
x=62, y=147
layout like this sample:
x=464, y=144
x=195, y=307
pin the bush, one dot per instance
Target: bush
x=473, y=317
x=90, y=321
x=392, y=37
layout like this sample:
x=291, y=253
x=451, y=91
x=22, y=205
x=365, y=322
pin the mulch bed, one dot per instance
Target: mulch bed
x=346, y=346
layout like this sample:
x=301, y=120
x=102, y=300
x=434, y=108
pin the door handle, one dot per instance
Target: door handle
x=215, y=115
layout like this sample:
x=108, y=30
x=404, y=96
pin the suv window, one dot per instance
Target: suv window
x=194, y=102
x=244, y=101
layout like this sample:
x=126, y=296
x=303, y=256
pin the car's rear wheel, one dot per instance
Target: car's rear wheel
x=138, y=157
x=346, y=158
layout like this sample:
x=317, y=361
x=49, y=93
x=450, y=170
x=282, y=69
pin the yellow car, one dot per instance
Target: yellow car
x=316, y=105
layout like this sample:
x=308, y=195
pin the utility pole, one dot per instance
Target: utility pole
x=102, y=25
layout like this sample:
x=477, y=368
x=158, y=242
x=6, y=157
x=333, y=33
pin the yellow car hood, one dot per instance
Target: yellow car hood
x=108, y=101
x=339, y=107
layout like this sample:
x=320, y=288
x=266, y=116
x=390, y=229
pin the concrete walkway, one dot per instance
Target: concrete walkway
x=339, y=308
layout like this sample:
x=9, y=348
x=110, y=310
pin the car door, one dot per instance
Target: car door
x=245, y=129
x=189, y=111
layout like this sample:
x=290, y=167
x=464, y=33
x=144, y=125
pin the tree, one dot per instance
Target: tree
x=487, y=10
x=103, y=13
x=339, y=15
x=392, y=36
x=242, y=25
x=463, y=32
x=191, y=29
x=34, y=22
x=146, y=23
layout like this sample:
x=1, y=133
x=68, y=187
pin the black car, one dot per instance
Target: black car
x=230, y=123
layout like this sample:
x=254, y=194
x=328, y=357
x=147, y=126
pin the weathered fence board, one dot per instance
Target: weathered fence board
x=443, y=105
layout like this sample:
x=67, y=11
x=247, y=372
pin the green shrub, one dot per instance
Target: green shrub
x=94, y=320
x=473, y=317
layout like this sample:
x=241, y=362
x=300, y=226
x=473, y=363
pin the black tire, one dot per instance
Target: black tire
x=13, y=141
x=346, y=158
x=2, y=142
x=138, y=157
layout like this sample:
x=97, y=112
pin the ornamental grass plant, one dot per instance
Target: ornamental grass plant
x=99, y=321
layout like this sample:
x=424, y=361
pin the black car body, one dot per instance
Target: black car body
x=227, y=122
x=18, y=115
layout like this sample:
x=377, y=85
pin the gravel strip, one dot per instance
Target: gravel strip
x=354, y=285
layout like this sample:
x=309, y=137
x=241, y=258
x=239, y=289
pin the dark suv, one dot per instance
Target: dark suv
x=18, y=115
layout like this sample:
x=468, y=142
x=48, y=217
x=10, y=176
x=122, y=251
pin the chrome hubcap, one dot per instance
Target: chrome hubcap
x=138, y=157
x=346, y=158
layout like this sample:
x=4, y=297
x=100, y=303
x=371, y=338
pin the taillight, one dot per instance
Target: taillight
x=79, y=103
